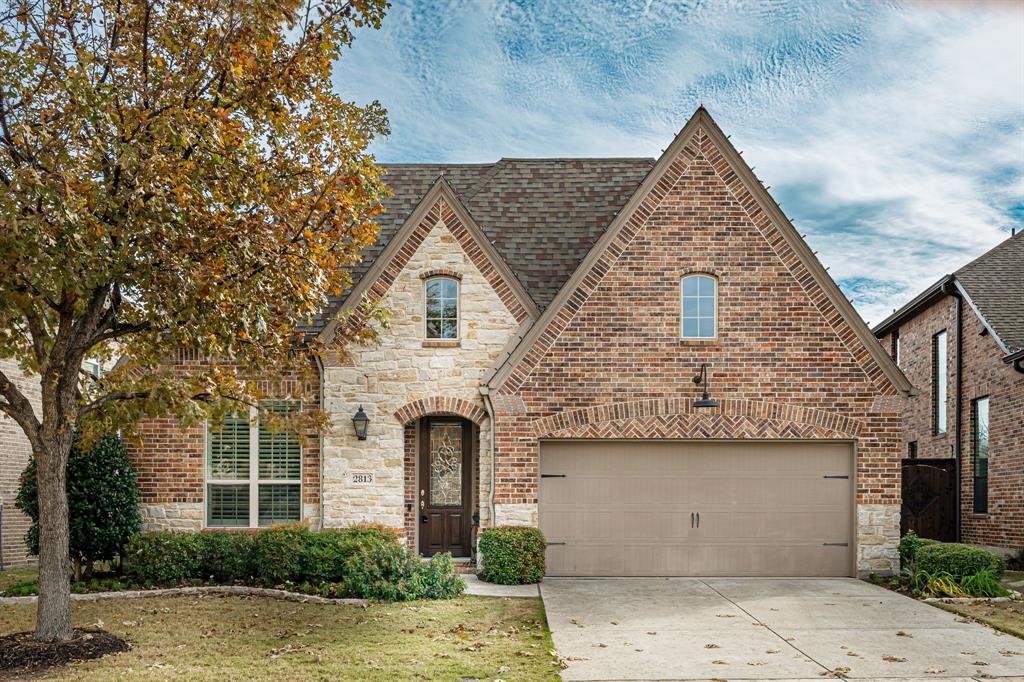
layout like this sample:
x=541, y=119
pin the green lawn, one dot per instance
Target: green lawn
x=13, y=576
x=215, y=638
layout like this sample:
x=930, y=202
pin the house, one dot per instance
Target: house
x=15, y=452
x=641, y=357
x=961, y=342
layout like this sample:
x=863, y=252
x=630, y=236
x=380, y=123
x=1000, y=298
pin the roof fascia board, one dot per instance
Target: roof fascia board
x=916, y=304
x=502, y=368
x=984, y=323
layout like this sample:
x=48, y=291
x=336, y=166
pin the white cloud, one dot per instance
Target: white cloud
x=894, y=135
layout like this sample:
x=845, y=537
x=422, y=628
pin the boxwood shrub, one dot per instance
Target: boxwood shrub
x=165, y=558
x=960, y=561
x=909, y=544
x=390, y=572
x=512, y=555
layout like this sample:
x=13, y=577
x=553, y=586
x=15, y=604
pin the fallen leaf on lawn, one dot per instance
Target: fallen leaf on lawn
x=935, y=671
x=156, y=665
x=503, y=669
x=526, y=653
x=772, y=651
x=614, y=622
x=637, y=649
x=575, y=622
x=983, y=675
x=789, y=639
x=894, y=659
x=1008, y=652
x=850, y=653
x=711, y=646
x=837, y=672
x=652, y=633
x=901, y=633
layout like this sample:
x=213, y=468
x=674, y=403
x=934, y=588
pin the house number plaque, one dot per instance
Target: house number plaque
x=362, y=478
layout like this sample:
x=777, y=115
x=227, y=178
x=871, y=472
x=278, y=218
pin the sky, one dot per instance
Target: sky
x=891, y=134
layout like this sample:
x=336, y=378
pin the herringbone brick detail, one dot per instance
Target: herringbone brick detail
x=697, y=426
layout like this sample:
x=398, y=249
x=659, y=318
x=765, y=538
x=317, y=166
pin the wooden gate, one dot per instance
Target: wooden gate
x=929, y=498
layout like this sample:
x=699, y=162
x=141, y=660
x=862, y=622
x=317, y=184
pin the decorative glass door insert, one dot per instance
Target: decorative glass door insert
x=445, y=465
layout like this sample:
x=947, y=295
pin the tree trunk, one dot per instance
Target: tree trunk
x=53, y=611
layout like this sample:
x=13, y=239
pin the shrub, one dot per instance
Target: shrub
x=909, y=544
x=958, y=560
x=386, y=572
x=324, y=556
x=226, y=557
x=512, y=555
x=103, y=502
x=438, y=579
x=165, y=558
x=277, y=554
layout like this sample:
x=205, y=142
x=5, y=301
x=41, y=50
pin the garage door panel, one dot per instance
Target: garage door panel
x=766, y=508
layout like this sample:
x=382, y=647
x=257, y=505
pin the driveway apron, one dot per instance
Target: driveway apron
x=763, y=629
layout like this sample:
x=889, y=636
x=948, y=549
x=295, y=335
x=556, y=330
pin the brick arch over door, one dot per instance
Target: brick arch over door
x=440, y=405
x=677, y=418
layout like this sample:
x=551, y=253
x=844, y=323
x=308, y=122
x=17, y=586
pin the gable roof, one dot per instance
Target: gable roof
x=540, y=215
x=993, y=287
x=824, y=292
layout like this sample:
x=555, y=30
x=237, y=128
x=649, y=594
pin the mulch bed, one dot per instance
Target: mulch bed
x=21, y=653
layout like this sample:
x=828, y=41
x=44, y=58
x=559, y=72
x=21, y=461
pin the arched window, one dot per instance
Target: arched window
x=442, y=308
x=699, y=319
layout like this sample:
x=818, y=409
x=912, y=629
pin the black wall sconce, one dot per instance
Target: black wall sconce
x=705, y=400
x=360, y=421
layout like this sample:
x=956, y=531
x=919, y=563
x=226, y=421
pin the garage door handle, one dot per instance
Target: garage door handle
x=698, y=519
x=827, y=476
x=691, y=520
x=555, y=543
x=552, y=475
x=836, y=544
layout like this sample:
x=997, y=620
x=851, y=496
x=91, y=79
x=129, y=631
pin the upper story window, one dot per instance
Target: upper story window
x=699, y=307
x=253, y=472
x=940, y=376
x=442, y=308
x=981, y=456
x=896, y=348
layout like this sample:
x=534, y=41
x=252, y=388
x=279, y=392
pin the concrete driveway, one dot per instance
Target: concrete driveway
x=764, y=628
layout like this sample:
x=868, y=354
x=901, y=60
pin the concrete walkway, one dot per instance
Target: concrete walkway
x=479, y=588
x=763, y=628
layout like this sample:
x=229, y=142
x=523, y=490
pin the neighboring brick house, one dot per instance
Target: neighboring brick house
x=15, y=452
x=548, y=317
x=961, y=343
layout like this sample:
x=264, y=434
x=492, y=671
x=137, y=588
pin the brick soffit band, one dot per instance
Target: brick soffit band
x=698, y=132
x=432, y=206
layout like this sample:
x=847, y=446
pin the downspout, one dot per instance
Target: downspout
x=485, y=394
x=950, y=289
x=320, y=371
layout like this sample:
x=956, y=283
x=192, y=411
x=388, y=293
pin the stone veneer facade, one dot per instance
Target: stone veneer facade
x=15, y=453
x=609, y=363
x=406, y=376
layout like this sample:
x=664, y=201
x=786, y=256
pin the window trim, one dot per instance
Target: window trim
x=940, y=426
x=253, y=481
x=896, y=348
x=458, y=309
x=682, y=298
x=974, y=451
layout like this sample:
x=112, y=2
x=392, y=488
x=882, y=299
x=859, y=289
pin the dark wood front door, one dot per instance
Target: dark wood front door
x=446, y=446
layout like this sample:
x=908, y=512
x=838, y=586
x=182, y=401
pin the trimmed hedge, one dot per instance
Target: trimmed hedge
x=512, y=555
x=910, y=544
x=362, y=561
x=960, y=561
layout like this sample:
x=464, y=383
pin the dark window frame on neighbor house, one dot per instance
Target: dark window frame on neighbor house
x=940, y=382
x=980, y=418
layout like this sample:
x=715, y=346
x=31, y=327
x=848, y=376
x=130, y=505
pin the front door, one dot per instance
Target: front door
x=446, y=445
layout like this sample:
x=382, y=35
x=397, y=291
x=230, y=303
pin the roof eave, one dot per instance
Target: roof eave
x=916, y=305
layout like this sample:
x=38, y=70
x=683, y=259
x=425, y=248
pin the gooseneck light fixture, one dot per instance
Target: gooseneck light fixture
x=704, y=400
x=360, y=421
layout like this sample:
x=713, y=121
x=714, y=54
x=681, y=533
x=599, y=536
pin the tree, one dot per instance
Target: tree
x=103, y=503
x=175, y=174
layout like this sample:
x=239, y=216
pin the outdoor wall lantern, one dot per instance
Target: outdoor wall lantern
x=360, y=422
x=704, y=400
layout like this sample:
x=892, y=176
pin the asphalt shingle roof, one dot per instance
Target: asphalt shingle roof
x=542, y=215
x=995, y=283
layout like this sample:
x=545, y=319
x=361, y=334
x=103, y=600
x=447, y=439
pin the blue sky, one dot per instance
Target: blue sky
x=892, y=134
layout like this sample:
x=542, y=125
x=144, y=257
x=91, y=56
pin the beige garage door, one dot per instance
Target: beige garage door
x=677, y=508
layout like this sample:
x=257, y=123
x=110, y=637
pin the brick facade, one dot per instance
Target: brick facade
x=984, y=374
x=170, y=459
x=15, y=453
x=612, y=364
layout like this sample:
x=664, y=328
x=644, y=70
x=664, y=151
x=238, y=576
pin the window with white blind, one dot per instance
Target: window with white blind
x=253, y=471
